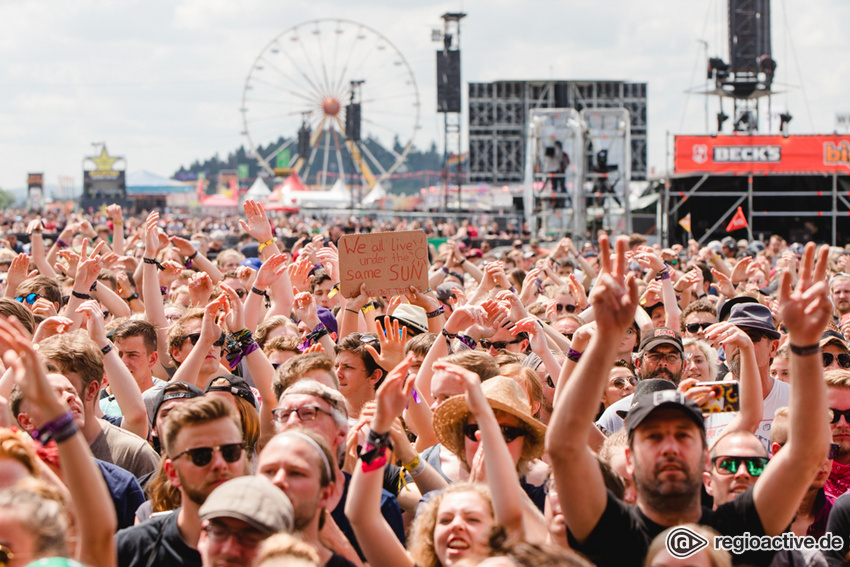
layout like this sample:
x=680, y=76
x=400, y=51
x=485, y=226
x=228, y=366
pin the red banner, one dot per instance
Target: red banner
x=746, y=154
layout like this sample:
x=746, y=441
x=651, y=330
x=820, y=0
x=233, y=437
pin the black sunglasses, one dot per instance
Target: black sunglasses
x=755, y=336
x=29, y=298
x=509, y=433
x=565, y=307
x=202, y=456
x=695, y=327
x=835, y=415
x=843, y=359
x=499, y=345
x=730, y=465
x=194, y=337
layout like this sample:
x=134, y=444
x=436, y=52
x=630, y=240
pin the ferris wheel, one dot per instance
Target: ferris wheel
x=330, y=99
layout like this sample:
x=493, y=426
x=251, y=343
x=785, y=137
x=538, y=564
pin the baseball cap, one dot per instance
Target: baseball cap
x=660, y=336
x=235, y=385
x=645, y=387
x=174, y=391
x=830, y=337
x=446, y=291
x=252, y=499
x=645, y=404
x=754, y=316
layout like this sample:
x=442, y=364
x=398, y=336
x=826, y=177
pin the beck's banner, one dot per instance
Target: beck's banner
x=744, y=154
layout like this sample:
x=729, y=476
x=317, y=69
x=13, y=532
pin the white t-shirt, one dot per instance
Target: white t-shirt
x=777, y=398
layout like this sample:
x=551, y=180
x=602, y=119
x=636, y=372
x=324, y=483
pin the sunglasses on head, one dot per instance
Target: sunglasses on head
x=835, y=415
x=509, y=432
x=202, y=456
x=565, y=307
x=730, y=465
x=696, y=327
x=499, y=345
x=194, y=337
x=29, y=298
x=843, y=359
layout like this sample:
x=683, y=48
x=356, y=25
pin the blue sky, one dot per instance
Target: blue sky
x=161, y=81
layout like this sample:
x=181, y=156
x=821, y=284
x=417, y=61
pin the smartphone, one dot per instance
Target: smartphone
x=725, y=399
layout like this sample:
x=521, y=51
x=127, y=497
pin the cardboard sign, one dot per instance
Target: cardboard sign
x=388, y=262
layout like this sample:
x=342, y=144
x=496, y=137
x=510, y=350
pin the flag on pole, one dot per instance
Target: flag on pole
x=685, y=222
x=738, y=221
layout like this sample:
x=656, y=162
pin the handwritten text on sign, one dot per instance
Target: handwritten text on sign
x=388, y=262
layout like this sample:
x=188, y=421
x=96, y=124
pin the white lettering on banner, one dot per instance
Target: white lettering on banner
x=743, y=154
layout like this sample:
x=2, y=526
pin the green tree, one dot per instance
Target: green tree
x=6, y=199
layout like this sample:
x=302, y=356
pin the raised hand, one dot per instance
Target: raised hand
x=94, y=320
x=534, y=328
x=614, y=297
x=329, y=258
x=741, y=269
x=304, y=307
x=393, y=396
x=200, y=289
x=578, y=291
x=299, y=274
x=234, y=310
x=183, y=246
x=115, y=213
x=51, y=326
x=392, y=338
x=18, y=272
x=258, y=225
x=722, y=283
x=269, y=271
x=806, y=308
x=88, y=268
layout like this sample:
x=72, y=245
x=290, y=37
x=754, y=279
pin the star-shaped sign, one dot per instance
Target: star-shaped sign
x=104, y=162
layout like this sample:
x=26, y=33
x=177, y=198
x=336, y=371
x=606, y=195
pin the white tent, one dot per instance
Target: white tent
x=259, y=190
x=376, y=194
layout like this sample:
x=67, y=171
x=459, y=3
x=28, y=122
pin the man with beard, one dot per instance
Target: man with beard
x=661, y=356
x=204, y=448
x=757, y=322
x=737, y=461
x=301, y=464
x=838, y=394
x=840, y=293
x=667, y=451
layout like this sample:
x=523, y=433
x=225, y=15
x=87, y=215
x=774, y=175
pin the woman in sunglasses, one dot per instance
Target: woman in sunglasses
x=454, y=525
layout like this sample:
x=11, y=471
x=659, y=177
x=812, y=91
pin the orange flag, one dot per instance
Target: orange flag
x=685, y=222
x=738, y=221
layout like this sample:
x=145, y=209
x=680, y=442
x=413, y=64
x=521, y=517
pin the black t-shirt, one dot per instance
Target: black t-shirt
x=622, y=536
x=158, y=536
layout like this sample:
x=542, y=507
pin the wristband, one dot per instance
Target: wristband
x=78, y=295
x=163, y=290
x=662, y=275
x=93, y=287
x=334, y=290
x=65, y=433
x=107, y=349
x=373, y=459
x=368, y=307
x=412, y=464
x=263, y=245
x=132, y=297
x=44, y=433
x=154, y=262
x=468, y=341
x=436, y=312
x=61, y=243
x=378, y=440
x=573, y=355
x=118, y=223
x=352, y=311
x=805, y=350
x=190, y=258
x=448, y=335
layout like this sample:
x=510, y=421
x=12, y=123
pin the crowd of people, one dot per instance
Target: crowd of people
x=198, y=392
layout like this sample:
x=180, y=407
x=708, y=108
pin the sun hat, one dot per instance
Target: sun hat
x=504, y=395
x=411, y=316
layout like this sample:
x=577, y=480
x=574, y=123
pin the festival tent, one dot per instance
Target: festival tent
x=218, y=201
x=259, y=190
x=378, y=193
x=147, y=183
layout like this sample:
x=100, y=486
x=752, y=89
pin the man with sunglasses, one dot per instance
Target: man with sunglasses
x=696, y=318
x=667, y=450
x=836, y=355
x=838, y=395
x=736, y=461
x=756, y=321
x=204, y=448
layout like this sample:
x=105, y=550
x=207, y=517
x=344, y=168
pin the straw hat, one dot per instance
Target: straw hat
x=504, y=395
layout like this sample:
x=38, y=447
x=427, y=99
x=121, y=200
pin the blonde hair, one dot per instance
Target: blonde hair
x=286, y=550
x=422, y=548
